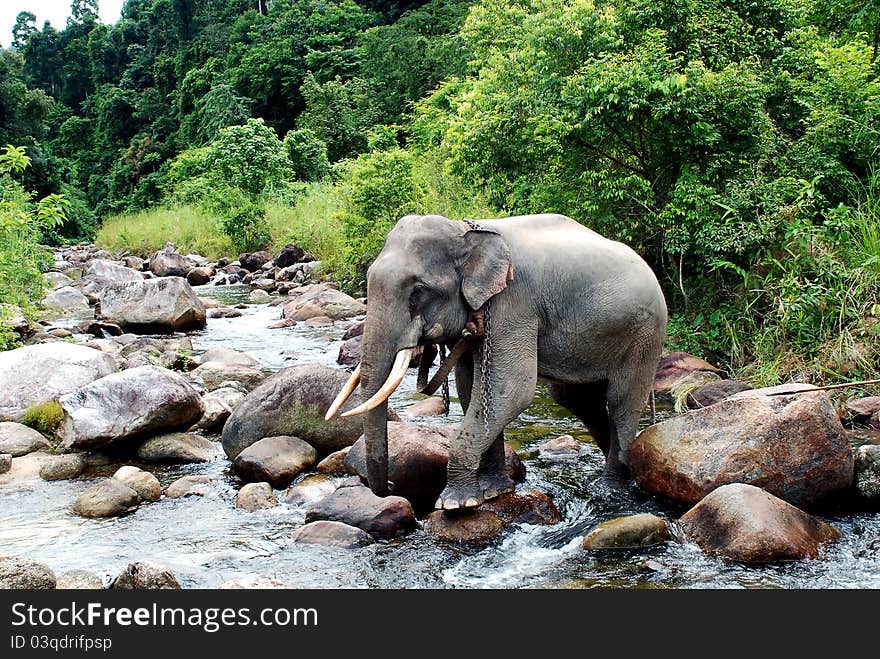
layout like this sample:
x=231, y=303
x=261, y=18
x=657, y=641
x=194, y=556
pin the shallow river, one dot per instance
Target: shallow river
x=206, y=540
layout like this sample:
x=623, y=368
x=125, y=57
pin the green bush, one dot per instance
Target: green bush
x=247, y=228
x=46, y=417
x=307, y=155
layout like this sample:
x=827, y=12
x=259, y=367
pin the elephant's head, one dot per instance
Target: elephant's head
x=431, y=274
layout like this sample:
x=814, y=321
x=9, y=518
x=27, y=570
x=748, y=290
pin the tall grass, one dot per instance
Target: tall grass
x=189, y=228
x=312, y=222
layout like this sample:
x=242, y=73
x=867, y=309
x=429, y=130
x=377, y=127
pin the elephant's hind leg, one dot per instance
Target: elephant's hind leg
x=589, y=403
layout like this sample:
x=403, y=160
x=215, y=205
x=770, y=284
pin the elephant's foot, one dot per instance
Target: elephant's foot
x=459, y=496
x=492, y=485
x=617, y=475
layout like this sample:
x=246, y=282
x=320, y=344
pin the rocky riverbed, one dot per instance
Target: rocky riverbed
x=177, y=463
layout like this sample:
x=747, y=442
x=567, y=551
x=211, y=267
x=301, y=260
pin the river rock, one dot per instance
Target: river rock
x=224, y=312
x=63, y=466
x=749, y=525
x=277, y=460
x=293, y=402
x=560, y=447
x=228, y=356
x=318, y=321
x=40, y=373
x=356, y=329
x=143, y=482
x=133, y=262
x=66, y=299
x=186, y=486
x=417, y=459
x=177, y=447
x=381, y=517
x=714, y=392
x=523, y=507
x=143, y=575
x=791, y=445
x=5, y=463
x=13, y=317
x=24, y=574
x=57, y=280
x=332, y=534
x=861, y=409
x=106, y=498
x=166, y=304
x=350, y=352
x=133, y=403
x=322, y=300
x=432, y=406
x=214, y=373
x=867, y=469
x=335, y=463
x=630, y=532
x=289, y=255
x=256, y=496
x=259, y=296
x=310, y=489
x=469, y=526
x=168, y=262
x=254, y=261
x=200, y=276
x=102, y=274
x=17, y=439
x=674, y=367
x=218, y=405
x=79, y=580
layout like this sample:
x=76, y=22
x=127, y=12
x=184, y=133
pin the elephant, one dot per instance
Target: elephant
x=520, y=298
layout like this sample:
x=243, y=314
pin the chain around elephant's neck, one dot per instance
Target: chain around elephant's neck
x=485, y=354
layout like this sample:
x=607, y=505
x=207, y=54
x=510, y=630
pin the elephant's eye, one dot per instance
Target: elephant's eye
x=417, y=298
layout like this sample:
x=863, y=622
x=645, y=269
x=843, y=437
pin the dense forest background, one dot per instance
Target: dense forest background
x=734, y=144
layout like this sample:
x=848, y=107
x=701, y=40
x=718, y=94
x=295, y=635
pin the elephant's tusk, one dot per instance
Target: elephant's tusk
x=344, y=393
x=398, y=371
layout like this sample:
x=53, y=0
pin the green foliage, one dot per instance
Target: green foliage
x=249, y=157
x=247, y=228
x=46, y=417
x=307, y=155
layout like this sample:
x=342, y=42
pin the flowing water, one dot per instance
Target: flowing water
x=207, y=541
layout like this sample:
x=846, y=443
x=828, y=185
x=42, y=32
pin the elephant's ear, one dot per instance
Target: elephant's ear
x=488, y=267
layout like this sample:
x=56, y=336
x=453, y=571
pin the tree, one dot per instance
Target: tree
x=250, y=157
x=25, y=26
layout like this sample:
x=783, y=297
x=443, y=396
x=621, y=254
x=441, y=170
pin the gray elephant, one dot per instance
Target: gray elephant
x=539, y=296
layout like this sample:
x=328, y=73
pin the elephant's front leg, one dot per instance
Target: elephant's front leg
x=498, y=395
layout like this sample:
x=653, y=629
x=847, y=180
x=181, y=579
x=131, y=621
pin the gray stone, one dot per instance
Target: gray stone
x=749, y=525
x=168, y=262
x=218, y=405
x=228, y=356
x=381, y=517
x=66, y=299
x=143, y=482
x=41, y=373
x=177, y=447
x=309, y=490
x=166, y=304
x=332, y=534
x=24, y=574
x=17, y=439
x=322, y=300
x=107, y=498
x=276, y=460
x=133, y=403
x=256, y=496
x=213, y=374
x=293, y=401
x=63, y=466
x=57, y=280
x=628, y=532
x=350, y=352
x=259, y=296
x=79, y=580
x=143, y=575
x=101, y=274
x=867, y=468
x=187, y=486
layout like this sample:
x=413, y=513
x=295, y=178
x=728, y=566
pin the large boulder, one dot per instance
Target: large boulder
x=675, y=367
x=66, y=299
x=40, y=373
x=17, y=439
x=332, y=534
x=143, y=575
x=417, y=459
x=322, y=300
x=747, y=524
x=200, y=276
x=791, y=445
x=214, y=374
x=254, y=261
x=24, y=574
x=177, y=447
x=293, y=401
x=289, y=255
x=168, y=262
x=276, y=460
x=132, y=403
x=102, y=274
x=356, y=505
x=166, y=304
x=106, y=498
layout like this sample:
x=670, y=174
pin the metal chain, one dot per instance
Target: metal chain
x=445, y=390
